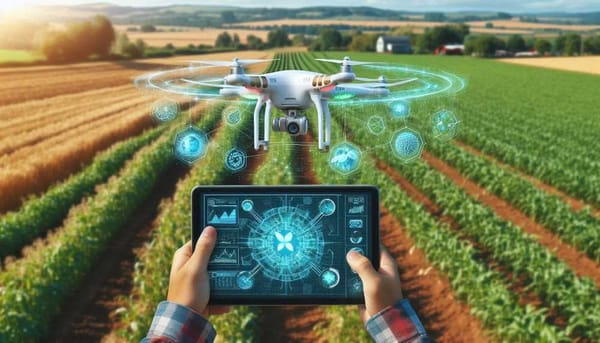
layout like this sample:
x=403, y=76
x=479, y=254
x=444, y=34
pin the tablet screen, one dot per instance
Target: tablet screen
x=287, y=244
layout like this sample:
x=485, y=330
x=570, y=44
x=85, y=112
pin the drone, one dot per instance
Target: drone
x=293, y=92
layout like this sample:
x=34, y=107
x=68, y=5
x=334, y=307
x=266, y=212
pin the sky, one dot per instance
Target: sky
x=514, y=6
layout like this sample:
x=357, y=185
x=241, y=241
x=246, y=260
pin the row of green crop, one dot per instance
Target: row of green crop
x=173, y=230
x=574, y=297
x=35, y=287
x=47, y=211
x=484, y=290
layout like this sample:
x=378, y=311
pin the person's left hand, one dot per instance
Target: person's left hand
x=188, y=284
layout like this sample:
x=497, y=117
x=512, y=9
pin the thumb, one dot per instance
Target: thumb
x=362, y=266
x=204, y=247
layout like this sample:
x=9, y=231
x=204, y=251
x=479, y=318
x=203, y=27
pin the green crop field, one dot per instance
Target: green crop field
x=10, y=55
x=496, y=232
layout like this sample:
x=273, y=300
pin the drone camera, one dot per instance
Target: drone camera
x=295, y=126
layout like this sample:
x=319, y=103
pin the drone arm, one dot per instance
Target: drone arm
x=259, y=102
x=327, y=121
x=267, y=123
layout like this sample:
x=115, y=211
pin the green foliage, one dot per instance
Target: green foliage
x=42, y=213
x=569, y=44
x=278, y=38
x=126, y=48
x=147, y=28
x=80, y=41
x=254, y=43
x=440, y=35
x=542, y=46
x=363, y=42
x=591, y=45
x=516, y=43
x=484, y=45
x=224, y=40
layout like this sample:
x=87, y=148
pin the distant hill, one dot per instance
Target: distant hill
x=216, y=16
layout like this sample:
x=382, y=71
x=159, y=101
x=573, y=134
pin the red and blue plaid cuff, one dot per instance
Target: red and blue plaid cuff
x=176, y=323
x=398, y=323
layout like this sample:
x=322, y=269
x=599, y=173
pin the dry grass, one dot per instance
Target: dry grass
x=195, y=36
x=586, y=64
x=55, y=119
x=516, y=24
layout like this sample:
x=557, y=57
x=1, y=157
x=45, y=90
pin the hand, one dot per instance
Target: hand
x=188, y=283
x=381, y=288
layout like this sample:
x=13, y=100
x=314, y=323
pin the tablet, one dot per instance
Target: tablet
x=287, y=244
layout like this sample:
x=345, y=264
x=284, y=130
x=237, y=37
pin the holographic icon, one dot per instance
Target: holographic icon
x=190, y=145
x=327, y=207
x=235, y=160
x=345, y=158
x=284, y=242
x=358, y=250
x=407, y=144
x=376, y=125
x=356, y=286
x=330, y=278
x=356, y=237
x=247, y=205
x=444, y=124
x=165, y=110
x=233, y=116
x=245, y=280
x=400, y=109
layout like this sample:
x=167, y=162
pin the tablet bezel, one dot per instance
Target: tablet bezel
x=373, y=191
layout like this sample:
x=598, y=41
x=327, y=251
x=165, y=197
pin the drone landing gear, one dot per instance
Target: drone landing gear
x=257, y=141
x=322, y=110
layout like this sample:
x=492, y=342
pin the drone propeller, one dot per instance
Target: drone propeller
x=381, y=79
x=236, y=62
x=346, y=61
x=210, y=83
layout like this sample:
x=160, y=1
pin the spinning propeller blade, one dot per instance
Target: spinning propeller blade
x=234, y=63
x=378, y=84
x=346, y=61
x=208, y=83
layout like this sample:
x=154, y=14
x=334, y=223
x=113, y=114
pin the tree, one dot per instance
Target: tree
x=569, y=44
x=516, y=43
x=542, y=46
x=278, y=38
x=489, y=25
x=330, y=39
x=363, y=42
x=147, y=28
x=236, y=41
x=591, y=45
x=440, y=35
x=504, y=15
x=484, y=45
x=254, y=42
x=300, y=40
x=223, y=40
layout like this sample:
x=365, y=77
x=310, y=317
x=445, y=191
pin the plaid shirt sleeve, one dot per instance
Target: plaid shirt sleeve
x=398, y=323
x=176, y=323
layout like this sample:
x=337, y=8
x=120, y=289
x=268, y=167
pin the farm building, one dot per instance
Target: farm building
x=394, y=44
x=450, y=49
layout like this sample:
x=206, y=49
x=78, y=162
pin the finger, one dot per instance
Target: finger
x=362, y=313
x=204, y=247
x=362, y=266
x=387, y=264
x=219, y=309
x=181, y=256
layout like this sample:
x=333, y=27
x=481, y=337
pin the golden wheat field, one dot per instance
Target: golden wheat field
x=55, y=119
x=194, y=35
x=585, y=64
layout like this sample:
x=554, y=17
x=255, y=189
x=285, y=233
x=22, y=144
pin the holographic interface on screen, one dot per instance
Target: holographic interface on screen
x=286, y=245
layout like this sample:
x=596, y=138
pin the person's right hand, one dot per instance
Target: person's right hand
x=381, y=288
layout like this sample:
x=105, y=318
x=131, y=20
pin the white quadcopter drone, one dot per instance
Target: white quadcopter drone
x=294, y=91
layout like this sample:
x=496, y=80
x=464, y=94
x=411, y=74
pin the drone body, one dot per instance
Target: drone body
x=293, y=92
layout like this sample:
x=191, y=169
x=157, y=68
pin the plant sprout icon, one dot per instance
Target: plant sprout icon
x=284, y=241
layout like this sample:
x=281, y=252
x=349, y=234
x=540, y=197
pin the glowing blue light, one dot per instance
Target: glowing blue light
x=330, y=278
x=376, y=125
x=444, y=125
x=245, y=280
x=190, y=145
x=286, y=243
x=356, y=286
x=345, y=158
x=165, y=110
x=247, y=205
x=235, y=160
x=407, y=144
x=233, y=116
x=327, y=207
x=400, y=109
